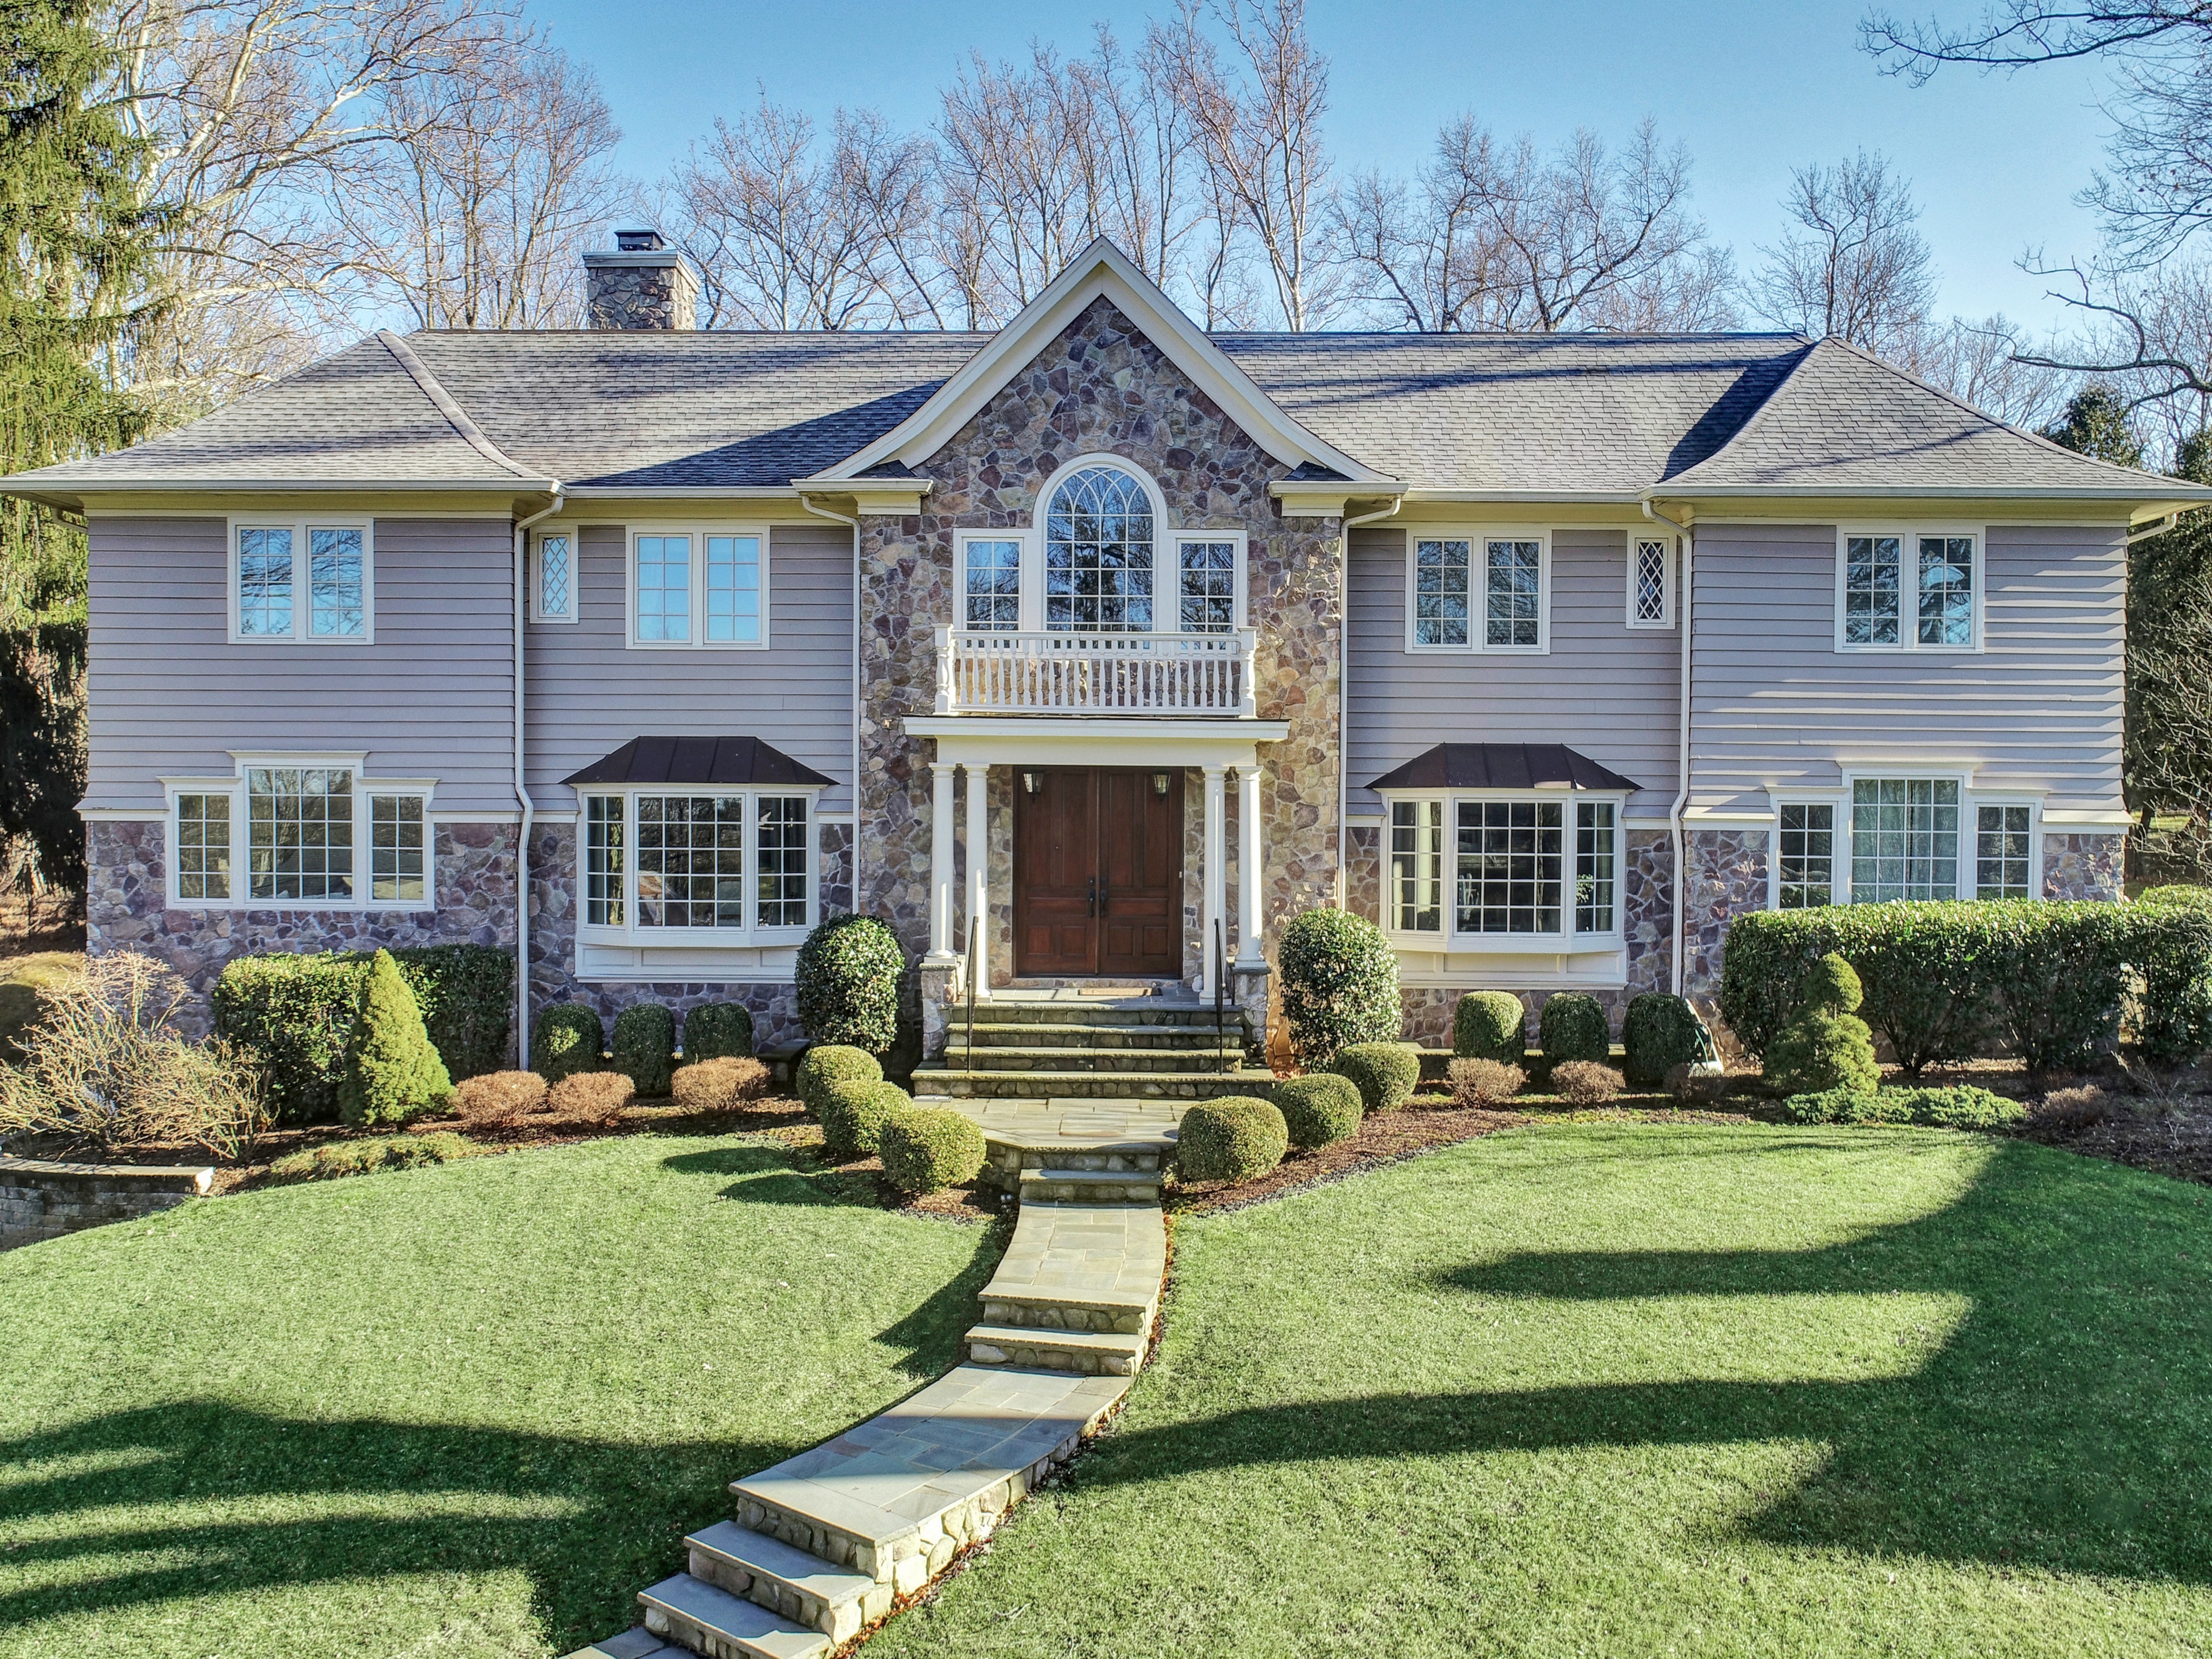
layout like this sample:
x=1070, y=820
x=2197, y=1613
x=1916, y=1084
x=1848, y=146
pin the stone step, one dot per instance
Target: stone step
x=934, y=1077
x=1062, y=1058
x=635, y=1643
x=894, y=1499
x=990, y=1034
x=717, y=1625
x=1091, y=1353
x=1065, y=1186
x=1136, y=1011
x=787, y=1581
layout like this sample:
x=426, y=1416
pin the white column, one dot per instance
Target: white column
x=940, y=862
x=1211, y=873
x=979, y=877
x=1251, y=927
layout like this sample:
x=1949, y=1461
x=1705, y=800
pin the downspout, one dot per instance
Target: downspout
x=1675, y=951
x=521, y=784
x=854, y=522
x=1344, y=705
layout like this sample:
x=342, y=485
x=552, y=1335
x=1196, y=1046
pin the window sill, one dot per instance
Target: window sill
x=774, y=960
x=686, y=645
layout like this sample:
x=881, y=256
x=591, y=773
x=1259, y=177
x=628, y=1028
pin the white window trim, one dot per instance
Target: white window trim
x=536, y=576
x=233, y=785
x=1909, y=616
x=1569, y=940
x=1839, y=844
x=632, y=933
x=1672, y=545
x=1025, y=594
x=303, y=595
x=1477, y=592
x=698, y=531
x=1237, y=583
x=1971, y=800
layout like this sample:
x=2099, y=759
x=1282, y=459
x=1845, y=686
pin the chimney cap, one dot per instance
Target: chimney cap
x=640, y=239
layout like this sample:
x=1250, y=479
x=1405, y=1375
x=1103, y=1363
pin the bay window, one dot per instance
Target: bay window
x=728, y=865
x=1522, y=871
x=1417, y=866
x=306, y=835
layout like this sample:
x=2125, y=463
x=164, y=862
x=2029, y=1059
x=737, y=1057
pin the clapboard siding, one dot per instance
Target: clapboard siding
x=171, y=695
x=1605, y=690
x=589, y=694
x=1774, y=704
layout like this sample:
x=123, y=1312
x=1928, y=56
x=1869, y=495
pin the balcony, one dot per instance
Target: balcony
x=1143, y=675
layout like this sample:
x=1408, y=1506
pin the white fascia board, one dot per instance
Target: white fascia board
x=1099, y=269
x=965, y=740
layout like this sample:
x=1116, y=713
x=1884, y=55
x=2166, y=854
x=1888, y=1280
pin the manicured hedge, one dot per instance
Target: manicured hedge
x=833, y=1062
x=1658, y=1033
x=2169, y=934
x=1960, y=1108
x=1385, y=1073
x=929, y=1148
x=296, y=1012
x=717, y=1030
x=1339, y=980
x=854, y=1114
x=569, y=1038
x=1318, y=1110
x=644, y=1049
x=1235, y=1137
x=848, y=977
x=1489, y=1025
x=1572, y=1027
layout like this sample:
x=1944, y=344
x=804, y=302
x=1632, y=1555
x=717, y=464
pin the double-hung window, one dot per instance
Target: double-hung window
x=1478, y=591
x=1206, y=581
x=723, y=866
x=306, y=835
x=553, y=595
x=698, y=586
x=991, y=584
x=301, y=580
x=1475, y=872
x=1902, y=837
x=1907, y=590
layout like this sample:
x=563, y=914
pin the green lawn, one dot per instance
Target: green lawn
x=1601, y=1390
x=460, y=1411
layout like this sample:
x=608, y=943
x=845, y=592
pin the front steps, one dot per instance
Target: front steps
x=1062, y=1045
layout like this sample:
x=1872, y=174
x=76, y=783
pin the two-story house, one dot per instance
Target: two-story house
x=1096, y=647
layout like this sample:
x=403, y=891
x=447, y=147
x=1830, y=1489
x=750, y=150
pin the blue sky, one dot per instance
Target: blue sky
x=1753, y=89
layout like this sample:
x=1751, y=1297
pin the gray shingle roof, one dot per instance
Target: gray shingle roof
x=728, y=761
x=1845, y=422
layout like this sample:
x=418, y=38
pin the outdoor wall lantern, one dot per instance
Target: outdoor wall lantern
x=1032, y=782
x=1160, y=784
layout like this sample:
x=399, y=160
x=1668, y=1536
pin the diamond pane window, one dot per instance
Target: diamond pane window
x=1209, y=586
x=2001, y=852
x=605, y=866
x=1098, y=555
x=994, y=586
x=1417, y=865
x=1946, y=590
x=204, y=846
x=555, y=577
x=300, y=832
x=264, y=582
x=733, y=590
x=1806, y=873
x=783, y=847
x=334, y=576
x=1872, y=580
x=691, y=861
x=1651, y=561
x=1595, y=871
x=663, y=588
x=1509, y=874
x=1513, y=573
x=1905, y=839
x=1440, y=593
x=395, y=848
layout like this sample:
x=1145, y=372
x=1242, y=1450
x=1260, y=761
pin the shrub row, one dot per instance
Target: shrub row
x=1943, y=978
x=1960, y=1108
x=922, y=1148
x=570, y=1037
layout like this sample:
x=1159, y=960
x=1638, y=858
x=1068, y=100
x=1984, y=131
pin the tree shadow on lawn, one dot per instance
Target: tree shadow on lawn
x=2065, y=1423
x=770, y=1174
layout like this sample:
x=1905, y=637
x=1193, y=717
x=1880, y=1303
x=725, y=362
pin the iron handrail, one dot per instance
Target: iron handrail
x=1220, y=974
x=968, y=970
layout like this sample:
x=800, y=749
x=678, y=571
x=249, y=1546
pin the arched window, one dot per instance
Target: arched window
x=1098, y=554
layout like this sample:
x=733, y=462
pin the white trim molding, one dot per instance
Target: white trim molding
x=299, y=581
x=1479, y=539
x=236, y=869
x=1910, y=594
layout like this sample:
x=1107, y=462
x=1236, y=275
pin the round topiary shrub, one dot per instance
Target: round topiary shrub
x=929, y=1148
x=1573, y=1028
x=833, y=1062
x=717, y=1030
x=494, y=1100
x=1340, y=985
x=569, y=1039
x=854, y=1114
x=848, y=974
x=591, y=1100
x=1385, y=1073
x=1489, y=1025
x=1825, y=1046
x=645, y=1047
x=1235, y=1137
x=1658, y=1033
x=1318, y=1110
x=724, y=1083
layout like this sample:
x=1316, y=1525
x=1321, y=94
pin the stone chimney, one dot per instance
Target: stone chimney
x=643, y=283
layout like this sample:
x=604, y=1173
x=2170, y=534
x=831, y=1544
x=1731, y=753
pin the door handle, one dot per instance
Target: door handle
x=1093, y=900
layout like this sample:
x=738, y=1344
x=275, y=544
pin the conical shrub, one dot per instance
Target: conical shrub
x=393, y=1072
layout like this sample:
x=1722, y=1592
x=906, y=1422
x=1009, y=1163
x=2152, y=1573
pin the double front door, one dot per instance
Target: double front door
x=1097, y=872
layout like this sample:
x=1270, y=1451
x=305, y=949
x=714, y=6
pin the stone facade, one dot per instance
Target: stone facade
x=626, y=292
x=1101, y=387
x=1647, y=894
x=1727, y=875
x=126, y=906
x=41, y=1200
x=2083, y=866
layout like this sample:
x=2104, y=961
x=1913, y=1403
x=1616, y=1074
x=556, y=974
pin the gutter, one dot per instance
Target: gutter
x=1344, y=700
x=855, y=786
x=522, y=787
x=1676, y=952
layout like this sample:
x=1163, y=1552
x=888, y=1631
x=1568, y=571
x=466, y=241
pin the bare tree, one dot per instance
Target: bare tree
x=1980, y=364
x=1854, y=269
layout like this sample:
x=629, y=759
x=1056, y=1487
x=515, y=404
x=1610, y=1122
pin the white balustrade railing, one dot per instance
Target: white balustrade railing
x=1054, y=673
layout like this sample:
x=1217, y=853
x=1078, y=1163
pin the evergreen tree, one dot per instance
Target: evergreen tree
x=393, y=1072
x=2168, y=750
x=2096, y=424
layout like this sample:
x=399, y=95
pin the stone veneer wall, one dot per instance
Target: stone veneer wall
x=2083, y=866
x=126, y=906
x=1100, y=387
x=1728, y=876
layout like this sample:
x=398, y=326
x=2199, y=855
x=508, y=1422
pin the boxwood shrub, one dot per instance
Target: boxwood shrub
x=1960, y=1107
x=929, y=1148
x=644, y=1049
x=1572, y=1027
x=1385, y=1073
x=1489, y=1025
x=717, y=1030
x=854, y=1114
x=833, y=1062
x=1318, y=1110
x=1340, y=985
x=1658, y=1033
x=849, y=978
x=297, y=1010
x=1235, y=1137
x=568, y=1038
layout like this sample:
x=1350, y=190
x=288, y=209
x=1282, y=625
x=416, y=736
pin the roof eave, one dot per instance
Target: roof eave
x=31, y=487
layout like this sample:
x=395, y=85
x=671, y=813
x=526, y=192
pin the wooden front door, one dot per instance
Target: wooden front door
x=1098, y=874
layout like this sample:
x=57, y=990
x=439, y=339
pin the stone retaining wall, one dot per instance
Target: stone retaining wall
x=40, y=1200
